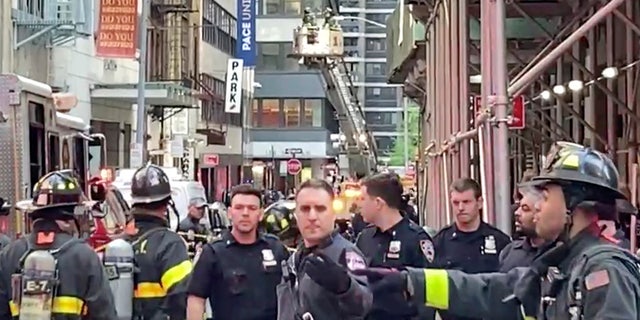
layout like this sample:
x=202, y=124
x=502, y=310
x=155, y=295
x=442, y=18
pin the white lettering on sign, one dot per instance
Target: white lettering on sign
x=246, y=26
x=233, y=95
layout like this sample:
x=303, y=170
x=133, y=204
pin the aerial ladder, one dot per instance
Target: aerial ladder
x=320, y=45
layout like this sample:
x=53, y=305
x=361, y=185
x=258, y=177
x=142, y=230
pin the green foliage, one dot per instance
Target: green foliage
x=397, y=154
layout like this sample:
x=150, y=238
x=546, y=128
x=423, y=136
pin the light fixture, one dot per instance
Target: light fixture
x=363, y=138
x=343, y=137
x=475, y=79
x=576, y=85
x=610, y=72
x=545, y=95
x=559, y=89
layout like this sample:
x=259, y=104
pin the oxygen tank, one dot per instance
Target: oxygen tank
x=119, y=266
x=38, y=286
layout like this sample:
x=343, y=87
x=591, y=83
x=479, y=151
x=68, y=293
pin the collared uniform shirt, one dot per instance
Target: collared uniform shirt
x=406, y=244
x=520, y=253
x=472, y=252
x=240, y=279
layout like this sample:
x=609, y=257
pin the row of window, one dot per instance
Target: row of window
x=372, y=44
x=212, y=110
x=288, y=7
x=218, y=27
x=272, y=56
x=287, y=113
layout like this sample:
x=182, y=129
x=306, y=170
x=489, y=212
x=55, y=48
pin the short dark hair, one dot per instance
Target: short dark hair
x=466, y=184
x=387, y=187
x=245, y=189
x=316, y=184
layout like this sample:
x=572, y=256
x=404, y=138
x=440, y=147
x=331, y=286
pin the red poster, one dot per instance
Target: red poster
x=117, y=29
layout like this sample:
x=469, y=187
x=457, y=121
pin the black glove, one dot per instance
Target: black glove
x=385, y=280
x=326, y=273
x=390, y=295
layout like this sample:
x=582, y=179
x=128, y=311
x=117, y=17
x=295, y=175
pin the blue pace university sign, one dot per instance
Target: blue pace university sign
x=246, y=42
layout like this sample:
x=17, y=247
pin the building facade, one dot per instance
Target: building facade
x=365, y=46
x=290, y=114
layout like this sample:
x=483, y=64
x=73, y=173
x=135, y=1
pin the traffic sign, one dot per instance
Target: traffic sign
x=294, y=166
x=517, y=114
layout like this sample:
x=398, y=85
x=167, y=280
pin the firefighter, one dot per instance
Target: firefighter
x=160, y=254
x=59, y=275
x=590, y=278
x=279, y=220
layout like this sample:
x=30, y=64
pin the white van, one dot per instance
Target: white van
x=182, y=191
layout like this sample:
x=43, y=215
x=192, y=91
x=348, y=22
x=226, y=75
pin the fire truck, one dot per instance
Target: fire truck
x=38, y=135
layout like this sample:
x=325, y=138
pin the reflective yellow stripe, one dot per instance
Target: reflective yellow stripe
x=149, y=290
x=525, y=317
x=67, y=305
x=176, y=274
x=61, y=305
x=14, y=309
x=436, y=288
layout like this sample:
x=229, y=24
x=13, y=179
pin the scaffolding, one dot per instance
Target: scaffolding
x=574, y=61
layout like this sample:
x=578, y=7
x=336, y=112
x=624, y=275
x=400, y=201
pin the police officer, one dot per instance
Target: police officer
x=160, y=254
x=469, y=244
x=522, y=251
x=77, y=279
x=318, y=280
x=391, y=240
x=239, y=272
x=590, y=277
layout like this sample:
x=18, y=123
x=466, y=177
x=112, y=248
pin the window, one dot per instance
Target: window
x=385, y=144
x=378, y=17
x=381, y=118
x=350, y=42
x=273, y=56
x=255, y=113
x=270, y=54
x=376, y=44
x=271, y=6
x=292, y=7
x=312, y=113
x=375, y=69
x=291, y=113
x=270, y=113
x=218, y=27
x=384, y=93
x=288, y=7
x=212, y=109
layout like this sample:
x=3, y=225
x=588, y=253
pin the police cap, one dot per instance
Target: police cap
x=150, y=184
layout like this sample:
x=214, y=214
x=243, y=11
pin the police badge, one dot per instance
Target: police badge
x=428, y=250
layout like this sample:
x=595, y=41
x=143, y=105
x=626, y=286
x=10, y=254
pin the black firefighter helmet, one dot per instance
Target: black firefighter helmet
x=150, y=184
x=56, y=190
x=586, y=175
x=279, y=220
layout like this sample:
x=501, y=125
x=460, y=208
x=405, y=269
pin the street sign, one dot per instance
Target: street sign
x=210, y=160
x=518, y=114
x=293, y=150
x=294, y=166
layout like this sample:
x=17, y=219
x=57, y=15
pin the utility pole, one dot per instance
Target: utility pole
x=139, y=154
x=6, y=38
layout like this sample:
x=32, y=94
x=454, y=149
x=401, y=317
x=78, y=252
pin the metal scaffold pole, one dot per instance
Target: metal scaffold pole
x=139, y=157
x=501, y=137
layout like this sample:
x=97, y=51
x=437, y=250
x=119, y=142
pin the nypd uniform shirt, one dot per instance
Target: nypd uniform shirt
x=240, y=279
x=404, y=245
